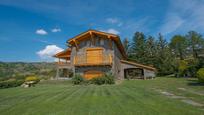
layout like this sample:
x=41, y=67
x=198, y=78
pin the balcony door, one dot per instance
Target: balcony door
x=94, y=55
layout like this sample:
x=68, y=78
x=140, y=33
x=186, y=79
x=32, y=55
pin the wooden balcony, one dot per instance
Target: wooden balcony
x=61, y=64
x=94, y=60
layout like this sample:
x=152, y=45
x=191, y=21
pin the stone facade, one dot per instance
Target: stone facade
x=82, y=70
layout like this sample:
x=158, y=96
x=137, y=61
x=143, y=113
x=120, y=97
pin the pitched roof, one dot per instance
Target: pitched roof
x=113, y=37
x=64, y=54
x=139, y=65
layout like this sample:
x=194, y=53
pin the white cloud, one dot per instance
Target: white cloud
x=112, y=31
x=41, y=32
x=183, y=16
x=54, y=30
x=172, y=23
x=48, y=52
x=143, y=24
x=114, y=21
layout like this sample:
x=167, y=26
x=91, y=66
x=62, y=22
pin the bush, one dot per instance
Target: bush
x=10, y=83
x=200, y=75
x=182, y=68
x=19, y=77
x=32, y=78
x=107, y=78
x=98, y=80
x=77, y=79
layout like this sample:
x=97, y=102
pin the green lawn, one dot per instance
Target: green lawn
x=130, y=97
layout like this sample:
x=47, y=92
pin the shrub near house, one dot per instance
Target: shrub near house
x=107, y=78
x=77, y=79
x=200, y=75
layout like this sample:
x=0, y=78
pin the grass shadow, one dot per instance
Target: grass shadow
x=195, y=83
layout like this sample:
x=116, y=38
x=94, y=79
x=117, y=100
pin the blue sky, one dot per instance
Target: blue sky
x=33, y=30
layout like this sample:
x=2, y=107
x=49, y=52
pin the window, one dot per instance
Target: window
x=102, y=42
x=88, y=43
x=94, y=55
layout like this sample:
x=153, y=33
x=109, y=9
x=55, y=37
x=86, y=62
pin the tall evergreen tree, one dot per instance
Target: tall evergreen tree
x=126, y=45
x=150, y=50
x=165, y=60
x=138, y=48
x=179, y=44
x=195, y=42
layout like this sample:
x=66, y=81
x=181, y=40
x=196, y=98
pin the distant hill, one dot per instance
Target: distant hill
x=41, y=69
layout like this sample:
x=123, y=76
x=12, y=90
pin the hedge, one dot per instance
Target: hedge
x=10, y=83
x=78, y=79
x=107, y=78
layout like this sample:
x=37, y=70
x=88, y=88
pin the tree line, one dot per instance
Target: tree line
x=179, y=56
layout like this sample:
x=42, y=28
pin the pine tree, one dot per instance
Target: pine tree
x=150, y=50
x=126, y=45
x=178, y=45
x=138, y=48
x=165, y=61
x=195, y=42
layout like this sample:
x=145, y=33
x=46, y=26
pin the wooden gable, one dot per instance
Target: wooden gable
x=90, y=35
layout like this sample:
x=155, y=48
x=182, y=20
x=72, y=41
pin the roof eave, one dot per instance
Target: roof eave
x=137, y=64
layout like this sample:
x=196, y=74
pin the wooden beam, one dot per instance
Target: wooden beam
x=110, y=59
x=59, y=61
x=74, y=60
x=106, y=34
x=92, y=39
x=110, y=44
x=75, y=42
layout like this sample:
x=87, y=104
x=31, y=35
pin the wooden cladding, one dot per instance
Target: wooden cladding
x=92, y=74
x=93, y=56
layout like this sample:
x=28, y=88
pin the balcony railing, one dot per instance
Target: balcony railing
x=62, y=64
x=84, y=60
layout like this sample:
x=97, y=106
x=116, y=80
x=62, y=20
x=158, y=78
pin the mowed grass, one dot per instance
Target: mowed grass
x=128, y=98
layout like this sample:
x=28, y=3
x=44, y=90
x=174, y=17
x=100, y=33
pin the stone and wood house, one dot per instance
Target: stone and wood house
x=94, y=53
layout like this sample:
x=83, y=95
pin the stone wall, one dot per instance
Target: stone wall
x=81, y=70
x=116, y=68
x=149, y=73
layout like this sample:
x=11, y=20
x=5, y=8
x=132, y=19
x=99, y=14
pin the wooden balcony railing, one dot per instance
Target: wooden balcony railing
x=63, y=64
x=84, y=60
